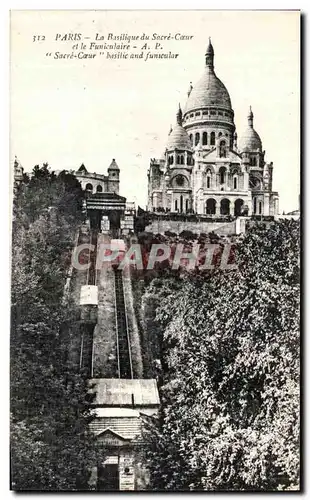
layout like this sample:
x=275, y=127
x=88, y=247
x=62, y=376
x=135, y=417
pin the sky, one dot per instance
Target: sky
x=72, y=111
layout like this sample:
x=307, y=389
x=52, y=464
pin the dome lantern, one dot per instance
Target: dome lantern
x=210, y=55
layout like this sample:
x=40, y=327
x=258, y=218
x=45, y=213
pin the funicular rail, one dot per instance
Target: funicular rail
x=123, y=342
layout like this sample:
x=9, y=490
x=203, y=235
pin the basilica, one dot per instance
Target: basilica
x=205, y=169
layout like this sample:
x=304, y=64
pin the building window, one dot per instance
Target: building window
x=254, y=205
x=235, y=182
x=260, y=205
x=191, y=138
x=181, y=203
x=222, y=175
x=99, y=188
x=186, y=205
x=176, y=205
x=210, y=206
x=222, y=149
x=89, y=187
x=220, y=113
x=238, y=207
x=197, y=138
x=182, y=160
x=180, y=180
x=189, y=160
x=197, y=113
x=208, y=181
x=225, y=207
x=212, y=139
x=220, y=134
x=204, y=139
x=178, y=159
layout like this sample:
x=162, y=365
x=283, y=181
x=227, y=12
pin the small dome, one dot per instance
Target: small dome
x=178, y=137
x=209, y=90
x=250, y=140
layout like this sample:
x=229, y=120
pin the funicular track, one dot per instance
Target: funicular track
x=124, y=360
x=87, y=324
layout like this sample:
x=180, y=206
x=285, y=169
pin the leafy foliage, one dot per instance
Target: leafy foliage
x=51, y=447
x=230, y=358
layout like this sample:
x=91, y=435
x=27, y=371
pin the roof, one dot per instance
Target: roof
x=232, y=156
x=125, y=392
x=178, y=139
x=82, y=168
x=106, y=196
x=208, y=91
x=250, y=140
x=113, y=165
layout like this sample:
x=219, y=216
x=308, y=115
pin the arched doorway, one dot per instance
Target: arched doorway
x=210, y=206
x=225, y=207
x=238, y=207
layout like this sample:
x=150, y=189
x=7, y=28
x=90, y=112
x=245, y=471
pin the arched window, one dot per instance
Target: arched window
x=178, y=159
x=254, y=205
x=191, y=138
x=260, y=206
x=186, y=205
x=220, y=134
x=222, y=149
x=176, y=205
x=181, y=203
x=235, y=182
x=99, y=188
x=208, y=181
x=170, y=160
x=222, y=175
x=225, y=207
x=197, y=138
x=182, y=160
x=238, y=207
x=189, y=160
x=89, y=187
x=212, y=139
x=204, y=139
x=210, y=206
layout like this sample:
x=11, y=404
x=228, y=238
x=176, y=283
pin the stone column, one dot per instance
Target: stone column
x=266, y=203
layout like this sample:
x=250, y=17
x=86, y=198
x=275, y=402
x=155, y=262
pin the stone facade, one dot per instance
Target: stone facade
x=203, y=169
x=99, y=183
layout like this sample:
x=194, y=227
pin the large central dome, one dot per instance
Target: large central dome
x=209, y=90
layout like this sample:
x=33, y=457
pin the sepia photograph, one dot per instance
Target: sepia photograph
x=155, y=250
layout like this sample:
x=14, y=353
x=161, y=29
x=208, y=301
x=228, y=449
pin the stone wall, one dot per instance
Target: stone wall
x=220, y=228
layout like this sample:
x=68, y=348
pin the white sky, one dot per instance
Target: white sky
x=90, y=111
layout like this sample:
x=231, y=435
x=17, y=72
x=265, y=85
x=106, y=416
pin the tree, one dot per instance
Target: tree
x=51, y=445
x=230, y=394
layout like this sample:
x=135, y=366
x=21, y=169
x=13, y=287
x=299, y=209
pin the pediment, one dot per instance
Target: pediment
x=109, y=437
